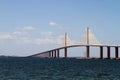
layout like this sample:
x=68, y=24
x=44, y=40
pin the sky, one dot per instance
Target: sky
x=31, y=26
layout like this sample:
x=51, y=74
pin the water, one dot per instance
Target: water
x=58, y=69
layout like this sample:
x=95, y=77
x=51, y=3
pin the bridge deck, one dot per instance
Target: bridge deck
x=55, y=52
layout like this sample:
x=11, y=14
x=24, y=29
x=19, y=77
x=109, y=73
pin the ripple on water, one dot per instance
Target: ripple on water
x=58, y=69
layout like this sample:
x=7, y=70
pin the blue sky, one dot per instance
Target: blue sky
x=32, y=26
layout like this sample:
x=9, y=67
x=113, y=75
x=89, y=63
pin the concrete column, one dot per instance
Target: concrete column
x=58, y=53
x=55, y=53
x=52, y=54
x=49, y=54
x=65, y=52
x=108, y=52
x=87, y=52
x=101, y=52
x=116, y=52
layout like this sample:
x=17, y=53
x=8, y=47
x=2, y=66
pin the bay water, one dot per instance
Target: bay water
x=15, y=68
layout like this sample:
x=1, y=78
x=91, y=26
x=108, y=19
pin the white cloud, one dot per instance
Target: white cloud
x=23, y=40
x=46, y=34
x=59, y=40
x=53, y=24
x=17, y=33
x=20, y=33
x=44, y=41
x=45, y=38
x=24, y=37
x=28, y=28
x=6, y=36
x=15, y=42
x=18, y=37
x=26, y=40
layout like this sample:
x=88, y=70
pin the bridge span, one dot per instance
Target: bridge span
x=55, y=53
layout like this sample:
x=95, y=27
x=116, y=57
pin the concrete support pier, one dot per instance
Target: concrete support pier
x=58, y=53
x=116, y=52
x=108, y=52
x=87, y=52
x=101, y=52
x=52, y=54
x=55, y=53
x=65, y=52
x=49, y=54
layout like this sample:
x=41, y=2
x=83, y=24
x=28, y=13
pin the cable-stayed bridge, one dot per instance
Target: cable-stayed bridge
x=88, y=40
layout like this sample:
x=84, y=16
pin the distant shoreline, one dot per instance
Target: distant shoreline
x=82, y=58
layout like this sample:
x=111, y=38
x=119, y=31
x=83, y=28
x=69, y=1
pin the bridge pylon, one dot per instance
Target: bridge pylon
x=88, y=38
x=65, y=41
